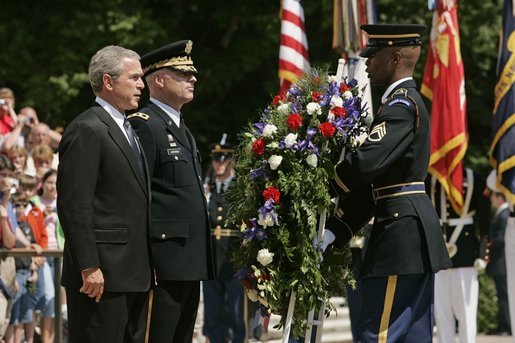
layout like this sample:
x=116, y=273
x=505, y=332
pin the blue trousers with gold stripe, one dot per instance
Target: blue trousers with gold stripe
x=397, y=308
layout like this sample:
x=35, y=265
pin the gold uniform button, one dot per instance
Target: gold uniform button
x=220, y=209
x=219, y=218
x=176, y=158
x=163, y=236
x=396, y=215
x=466, y=233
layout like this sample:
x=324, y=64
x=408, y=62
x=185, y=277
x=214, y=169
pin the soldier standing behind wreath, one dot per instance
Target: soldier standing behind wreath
x=385, y=177
x=457, y=288
x=223, y=297
x=179, y=230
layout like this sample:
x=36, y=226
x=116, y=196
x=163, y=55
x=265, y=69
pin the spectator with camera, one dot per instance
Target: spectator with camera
x=8, y=117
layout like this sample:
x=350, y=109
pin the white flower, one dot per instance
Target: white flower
x=275, y=161
x=357, y=141
x=283, y=109
x=290, y=140
x=332, y=78
x=272, y=145
x=313, y=108
x=347, y=94
x=269, y=130
x=336, y=101
x=265, y=257
x=312, y=160
x=265, y=221
x=252, y=294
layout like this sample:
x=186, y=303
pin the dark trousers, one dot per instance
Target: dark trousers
x=174, y=310
x=354, y=303
x=223, y=310
x=396, y=308
x=117, y=318
x=502, y=302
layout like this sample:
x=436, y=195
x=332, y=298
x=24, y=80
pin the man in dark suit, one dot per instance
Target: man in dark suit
x=103, y=204
x=180, y=231
x=385, y=176
x=496, y=267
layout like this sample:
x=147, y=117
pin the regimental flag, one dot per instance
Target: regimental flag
x=293, y=52
x=502, y=150
x=444, y=85
x=349, y=39
x=348, y=16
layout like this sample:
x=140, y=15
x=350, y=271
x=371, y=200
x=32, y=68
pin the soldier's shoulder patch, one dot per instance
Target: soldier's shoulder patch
x=377, y=133
x=141, y=115
x=399, y=100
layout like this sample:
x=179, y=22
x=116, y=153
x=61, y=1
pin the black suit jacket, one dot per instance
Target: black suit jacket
x=406, y=236
x=103, y=204
x=180, y=228
x=497, y=264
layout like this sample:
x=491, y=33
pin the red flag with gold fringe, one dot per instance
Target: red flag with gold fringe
x=444, y=85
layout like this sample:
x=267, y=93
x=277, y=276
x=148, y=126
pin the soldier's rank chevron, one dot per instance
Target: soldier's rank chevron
x=377, y=133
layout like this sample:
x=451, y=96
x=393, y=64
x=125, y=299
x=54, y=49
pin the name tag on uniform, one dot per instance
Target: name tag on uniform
x=175, y=151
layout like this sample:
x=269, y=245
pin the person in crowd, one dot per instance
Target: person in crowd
x=103, y=204
x=466, y=234
x=8, y=117
x=8, y=285
x=180, y=231
x=496, y=267
x=45, y=200
x=385, y=176
x=42, y=159
x=18, y=155
x=224, y=314
x=22, y=322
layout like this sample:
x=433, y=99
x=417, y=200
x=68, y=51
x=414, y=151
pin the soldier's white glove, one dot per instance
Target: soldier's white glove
x=480, y=264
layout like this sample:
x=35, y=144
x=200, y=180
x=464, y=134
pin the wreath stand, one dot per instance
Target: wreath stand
x=341, y=72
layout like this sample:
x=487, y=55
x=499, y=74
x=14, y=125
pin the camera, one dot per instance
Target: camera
x=3, y=102
x=27, y=121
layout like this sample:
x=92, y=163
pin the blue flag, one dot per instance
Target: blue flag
x=502, y=150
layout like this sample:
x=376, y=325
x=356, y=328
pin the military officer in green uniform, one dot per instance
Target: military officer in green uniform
x=180, y=231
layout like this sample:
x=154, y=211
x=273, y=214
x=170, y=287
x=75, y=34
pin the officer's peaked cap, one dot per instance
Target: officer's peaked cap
x=175, y=55
x=385, y=35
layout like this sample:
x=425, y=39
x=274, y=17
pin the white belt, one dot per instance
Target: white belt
x=459, y=221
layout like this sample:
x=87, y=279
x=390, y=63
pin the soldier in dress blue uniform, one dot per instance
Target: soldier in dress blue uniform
x=385, y=177
x=180, y=231
x=457, y=288
x=223, y=297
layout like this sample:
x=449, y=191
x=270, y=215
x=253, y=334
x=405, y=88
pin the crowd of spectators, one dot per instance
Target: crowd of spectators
x=28, y=219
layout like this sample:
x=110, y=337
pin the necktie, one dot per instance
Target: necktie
x=132, y=141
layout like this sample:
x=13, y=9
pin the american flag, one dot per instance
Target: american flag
x=293, y=52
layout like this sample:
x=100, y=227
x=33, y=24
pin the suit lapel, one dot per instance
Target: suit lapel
x=170, y=126
x=119, y=139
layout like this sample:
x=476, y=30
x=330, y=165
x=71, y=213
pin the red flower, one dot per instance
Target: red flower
x=272, y=193
x=294, y=121
x=343, y=87
x=277, y=98
x=327, y=129
x=339, y=112
x=316, y=96
x=258, y=147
